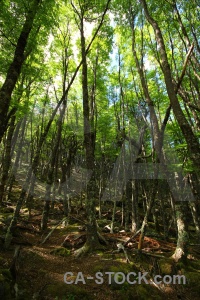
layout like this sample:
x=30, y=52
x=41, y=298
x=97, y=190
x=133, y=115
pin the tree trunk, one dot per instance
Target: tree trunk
x=7, y=158
x=15, y=67
x=89, y=139
x=50, y=175
x=191, y=139
x=18, y=155
x=182, y=241
x=92, y=236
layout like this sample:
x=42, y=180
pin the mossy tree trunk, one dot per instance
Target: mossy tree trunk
x=182, y=240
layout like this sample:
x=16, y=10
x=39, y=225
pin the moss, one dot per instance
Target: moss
x=193, y=278
x=166, y=266
x=117, y=278
x=147, y=292
x=180, y=265
x=142, y=292
x=61, y=252
x=57, y=290
x=97, y=268
x=191, y=266
x=99, y=252
x=79, y=293
x=117, y=267
x=120, y=257
x=63, y=291
x=108, y=256
x=117, y=282
x=121, y=267
x=139, y=292
x=127, y=295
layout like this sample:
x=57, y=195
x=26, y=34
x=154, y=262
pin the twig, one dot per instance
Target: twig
x=4, y=35
x=78, y=220
x=50, y=233
x=147, y=253
x=132, y=237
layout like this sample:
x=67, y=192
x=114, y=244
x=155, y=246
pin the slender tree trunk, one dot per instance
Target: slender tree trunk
x=18, y=155
x=184, y=31
x=92, y=236
x=51, y=171
x=156, y=137
x=195, y=216
x=128, y=194
x=182, y=240
x=7, y=158
x=15, y=67
x=148, y=211
x=191, y=139
x=35, y=161
x=134, y=206
x=89, y=139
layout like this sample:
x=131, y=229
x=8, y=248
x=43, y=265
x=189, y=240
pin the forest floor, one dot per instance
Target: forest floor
x=40, y=267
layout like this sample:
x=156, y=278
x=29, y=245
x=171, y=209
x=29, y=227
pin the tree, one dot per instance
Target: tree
x=16, y=65
x=89, y=133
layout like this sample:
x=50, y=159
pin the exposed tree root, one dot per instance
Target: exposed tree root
x=102, y=239
x=88, y=247
x=94, y=241
x=179, y=255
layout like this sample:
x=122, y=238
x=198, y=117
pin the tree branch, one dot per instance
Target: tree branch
x=3, y=34
x=177, y=87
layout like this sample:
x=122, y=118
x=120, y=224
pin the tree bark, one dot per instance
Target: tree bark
x=191, y=139
x=92, y=242
x=89, y=135
x=15, y=67
x=7, y=158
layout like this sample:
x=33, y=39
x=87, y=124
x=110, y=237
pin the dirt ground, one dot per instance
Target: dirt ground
x=40, y=267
